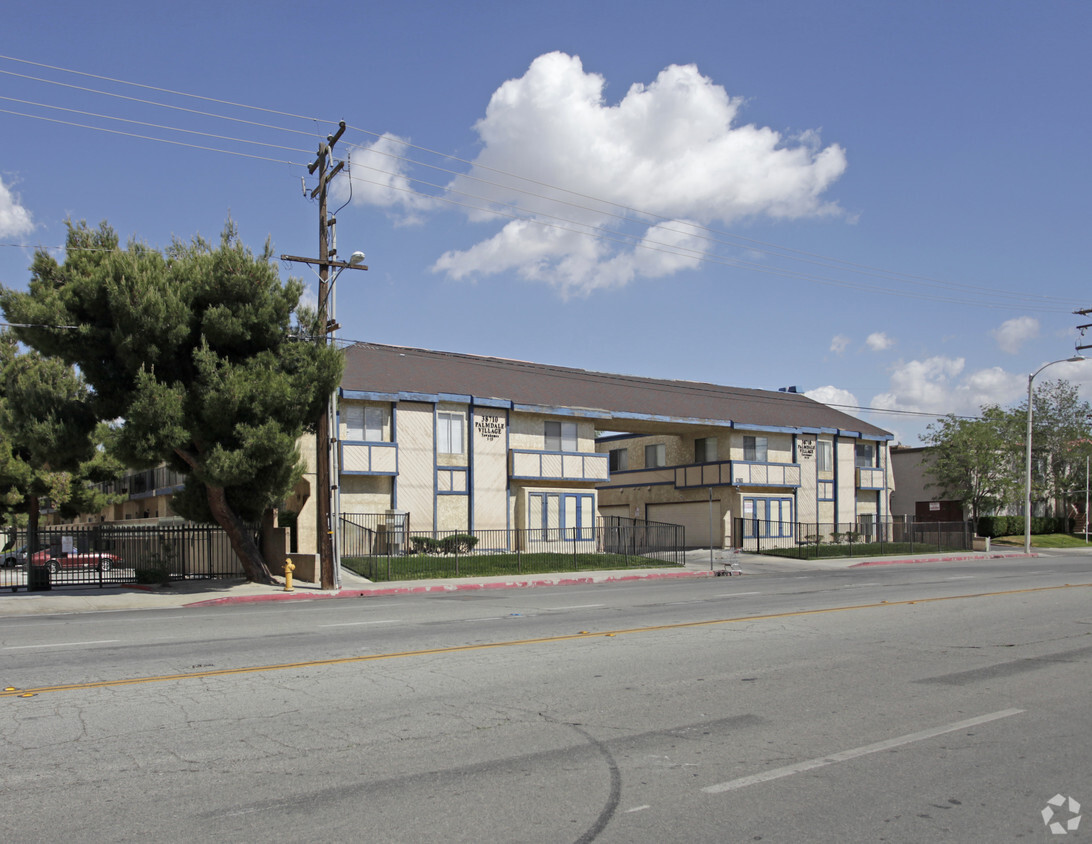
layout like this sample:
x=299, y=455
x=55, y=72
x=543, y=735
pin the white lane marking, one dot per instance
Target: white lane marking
x=576, y=607
x=61, y=645
x=358, y=623
x=731, y=595
x=638, y=808
x=845, y=755
x=961, y=577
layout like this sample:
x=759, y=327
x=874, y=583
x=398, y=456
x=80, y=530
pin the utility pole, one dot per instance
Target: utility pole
x=324, y=488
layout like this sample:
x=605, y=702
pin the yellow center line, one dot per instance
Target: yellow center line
x=319, y=663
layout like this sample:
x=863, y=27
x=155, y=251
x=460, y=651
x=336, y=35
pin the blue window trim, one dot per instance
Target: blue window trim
x=828, y=487
x=453, y=470
x=582, y=533
x=763, y=522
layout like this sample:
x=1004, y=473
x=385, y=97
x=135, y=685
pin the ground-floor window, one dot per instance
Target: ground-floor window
x=560, y=515
x=767, y=516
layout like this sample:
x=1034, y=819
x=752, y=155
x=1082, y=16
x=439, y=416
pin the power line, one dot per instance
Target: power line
x=693, y=230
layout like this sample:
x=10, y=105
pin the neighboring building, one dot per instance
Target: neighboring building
x=916, y=495
x=468, y=443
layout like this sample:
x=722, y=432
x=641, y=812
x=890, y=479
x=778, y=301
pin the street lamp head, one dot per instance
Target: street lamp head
x=1075, y=359
x=356, y=258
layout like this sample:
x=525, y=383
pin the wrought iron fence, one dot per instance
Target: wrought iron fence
x=380, y=550
x=811, y=540
x=113, y=555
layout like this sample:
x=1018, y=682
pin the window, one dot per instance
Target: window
x=655, y=456
x=449, y=433
x=824, y=456
x=826, y=490
x=618, y=459
x=865, y=455
x=363, y=422
x=561, y=436
x=754, y=449
x=705, y=450
x=553, y=516
x=767, y=517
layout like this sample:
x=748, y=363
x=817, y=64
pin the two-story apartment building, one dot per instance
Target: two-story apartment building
x=469, y=443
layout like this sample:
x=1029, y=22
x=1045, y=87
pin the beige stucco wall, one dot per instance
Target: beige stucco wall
x=489, y=479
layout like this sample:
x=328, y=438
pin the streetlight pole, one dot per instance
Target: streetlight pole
x=1027, y=464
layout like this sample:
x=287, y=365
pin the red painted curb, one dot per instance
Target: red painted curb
x=942, y=560
x=381, y=591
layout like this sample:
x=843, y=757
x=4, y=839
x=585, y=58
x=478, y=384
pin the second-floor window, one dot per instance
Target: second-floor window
x=824, y=456
x=755, y=449
x=865, y=455
x=618, y=459
x=449, y=432
x=705, y=450
x=561, y=436
x=655, y=456
x=363, y=423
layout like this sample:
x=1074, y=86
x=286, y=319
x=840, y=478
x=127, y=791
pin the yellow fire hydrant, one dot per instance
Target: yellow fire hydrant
x=288, y=569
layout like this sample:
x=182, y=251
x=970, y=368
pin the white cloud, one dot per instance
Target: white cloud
x=939, y=385
x=878, y=341
x=832, y=396
x=839, y=343
x=376, y=175
x=1013, y=333
x=672, y=148
x=14, y=218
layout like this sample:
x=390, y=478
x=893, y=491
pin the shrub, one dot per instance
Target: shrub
x=458, y=543
x=424, y=545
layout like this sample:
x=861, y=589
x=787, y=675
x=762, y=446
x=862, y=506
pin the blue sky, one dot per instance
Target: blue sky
x=884, y=204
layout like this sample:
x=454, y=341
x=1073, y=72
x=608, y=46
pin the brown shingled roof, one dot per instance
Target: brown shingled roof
x=624, y=398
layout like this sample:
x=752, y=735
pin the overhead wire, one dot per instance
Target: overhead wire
x=529, y=215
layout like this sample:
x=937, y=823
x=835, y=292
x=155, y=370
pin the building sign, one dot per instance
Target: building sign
x=489, y=427
x=805, y=449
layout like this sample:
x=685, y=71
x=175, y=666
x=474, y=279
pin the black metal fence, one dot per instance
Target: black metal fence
x=812, y=540
x=381, y=549
x=114, y=555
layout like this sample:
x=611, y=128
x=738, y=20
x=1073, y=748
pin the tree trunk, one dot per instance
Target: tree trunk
x=242, y=543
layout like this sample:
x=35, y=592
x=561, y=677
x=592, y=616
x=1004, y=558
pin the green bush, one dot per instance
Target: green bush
x=424, y=545
x=458, y=543
x=994, y=526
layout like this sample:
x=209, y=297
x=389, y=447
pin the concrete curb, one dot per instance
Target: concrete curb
x=944, y=559
x=420, y=589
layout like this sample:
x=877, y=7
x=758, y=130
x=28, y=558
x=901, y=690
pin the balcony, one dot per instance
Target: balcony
x=870, y=478
x=557, y=465
x=738, y=473
x=369, y=458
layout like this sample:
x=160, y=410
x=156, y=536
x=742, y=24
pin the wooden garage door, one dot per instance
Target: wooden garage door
x=692, y=515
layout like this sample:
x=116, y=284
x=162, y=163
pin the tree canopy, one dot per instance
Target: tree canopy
x=193, y=353
x=50, y=443
x=981, y=462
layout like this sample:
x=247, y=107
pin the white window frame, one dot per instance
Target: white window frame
x=655, y=456
x=864, y=455
x=560, y=436
x=565, y=516
x=450, y=425
x=824, y=456
x=756, y=449
x=705, y=450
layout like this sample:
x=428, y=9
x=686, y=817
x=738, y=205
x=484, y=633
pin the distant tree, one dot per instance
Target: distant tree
x=975, y=461
x=1061, y=435
x=50, y=444
x=193, y=353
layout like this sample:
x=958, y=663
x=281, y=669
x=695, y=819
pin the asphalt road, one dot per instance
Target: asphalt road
x=900, y=703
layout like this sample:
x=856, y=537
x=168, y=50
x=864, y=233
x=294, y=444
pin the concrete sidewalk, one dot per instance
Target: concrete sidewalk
x=202, y=593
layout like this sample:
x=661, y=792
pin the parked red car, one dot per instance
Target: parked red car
x=98, y=560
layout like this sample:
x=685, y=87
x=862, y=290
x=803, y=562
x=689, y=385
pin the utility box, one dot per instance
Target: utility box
x=38, y=578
